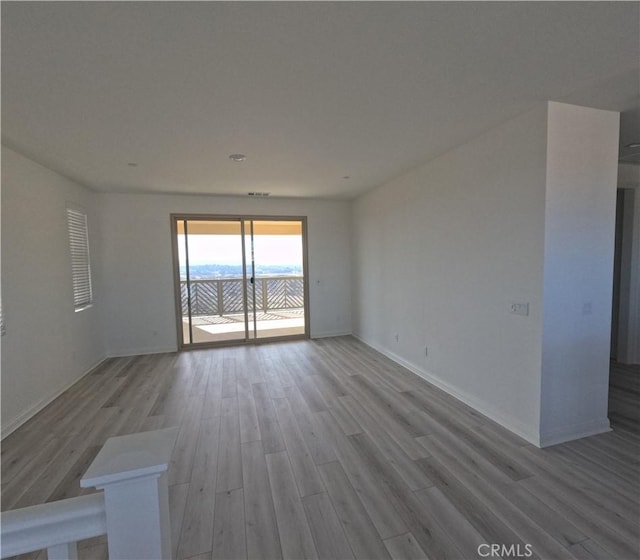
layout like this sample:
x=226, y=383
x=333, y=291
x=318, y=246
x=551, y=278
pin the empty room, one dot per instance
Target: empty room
x=320, y=280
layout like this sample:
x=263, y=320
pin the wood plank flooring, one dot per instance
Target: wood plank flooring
x=328, y=450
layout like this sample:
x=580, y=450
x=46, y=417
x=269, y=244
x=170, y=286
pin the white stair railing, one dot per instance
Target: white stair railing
x=132, y=509
x=56, y=526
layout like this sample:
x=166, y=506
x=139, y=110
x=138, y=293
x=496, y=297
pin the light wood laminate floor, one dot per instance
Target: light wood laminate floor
x=327, y=449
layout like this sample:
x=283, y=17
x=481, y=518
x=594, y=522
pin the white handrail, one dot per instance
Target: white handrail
x=56, y=523
x=132, y=471
x=132, y=509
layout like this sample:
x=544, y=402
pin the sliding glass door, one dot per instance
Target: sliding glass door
x=239, y=279
x=276, y=277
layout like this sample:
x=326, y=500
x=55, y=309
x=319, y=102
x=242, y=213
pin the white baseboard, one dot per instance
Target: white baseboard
x=330, y=334
x=510, y=423
x=576, y=431
x=14, y=424
x=142, y=351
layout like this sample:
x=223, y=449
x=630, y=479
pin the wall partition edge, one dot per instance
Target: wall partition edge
x=177, y=217
x=175, y=263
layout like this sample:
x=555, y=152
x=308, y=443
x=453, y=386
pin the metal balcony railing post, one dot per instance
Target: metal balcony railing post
x=265, y=295
x=194, y=297
x=219, y=293
x=286, y=292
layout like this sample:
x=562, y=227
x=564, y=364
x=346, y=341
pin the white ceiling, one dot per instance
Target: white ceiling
x=309, y=91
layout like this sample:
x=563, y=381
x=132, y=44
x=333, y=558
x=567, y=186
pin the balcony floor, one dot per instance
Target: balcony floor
x=217, y=328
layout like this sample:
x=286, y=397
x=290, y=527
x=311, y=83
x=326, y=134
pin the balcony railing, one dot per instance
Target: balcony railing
x=224, y=296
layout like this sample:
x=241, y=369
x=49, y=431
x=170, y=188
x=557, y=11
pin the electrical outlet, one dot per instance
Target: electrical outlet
x=519, y=308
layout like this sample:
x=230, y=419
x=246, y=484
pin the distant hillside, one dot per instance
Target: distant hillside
x=205, y=271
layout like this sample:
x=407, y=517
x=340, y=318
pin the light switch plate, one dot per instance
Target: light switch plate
x=519, y=308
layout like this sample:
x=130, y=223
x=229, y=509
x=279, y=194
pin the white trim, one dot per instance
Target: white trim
x=576, y=431
x=329, y=334
x=506, y=421
x=142, y=351
x=14, y=424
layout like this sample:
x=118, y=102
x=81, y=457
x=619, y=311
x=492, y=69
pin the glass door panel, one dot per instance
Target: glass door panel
x=239, y=279
x=211, y=270
x=278, y=278
x=253, y=295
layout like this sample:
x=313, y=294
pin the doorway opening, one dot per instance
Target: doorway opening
x=239, y=279
x=624, y=373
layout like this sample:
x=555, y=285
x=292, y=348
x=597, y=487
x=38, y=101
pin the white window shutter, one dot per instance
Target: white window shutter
x=80, y=263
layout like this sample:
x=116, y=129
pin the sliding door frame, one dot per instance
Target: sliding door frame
x=242, y=218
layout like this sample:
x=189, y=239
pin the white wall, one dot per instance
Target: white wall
x=47, y=346
x=439, y=255
x=140, y=312
x=633, y=332
x=582, y=148
x=629, y=324
x=524, y=213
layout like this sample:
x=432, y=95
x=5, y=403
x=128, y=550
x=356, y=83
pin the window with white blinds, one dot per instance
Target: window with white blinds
x=80, y=265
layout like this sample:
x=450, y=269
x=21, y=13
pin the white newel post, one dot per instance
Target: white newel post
x=132, y=471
